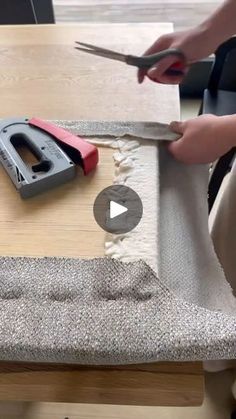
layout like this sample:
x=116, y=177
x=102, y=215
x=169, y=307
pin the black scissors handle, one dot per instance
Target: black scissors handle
x=148, y=61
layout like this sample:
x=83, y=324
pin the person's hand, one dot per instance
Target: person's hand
x=204, y=138
x=195, y=44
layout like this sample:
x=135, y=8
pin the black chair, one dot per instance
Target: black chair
x=23, y=12
x=220, y=99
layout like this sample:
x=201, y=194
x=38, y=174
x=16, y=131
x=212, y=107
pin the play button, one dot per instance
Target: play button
x=118, y=209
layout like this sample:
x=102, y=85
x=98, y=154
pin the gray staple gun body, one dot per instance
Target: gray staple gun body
x=52, y=166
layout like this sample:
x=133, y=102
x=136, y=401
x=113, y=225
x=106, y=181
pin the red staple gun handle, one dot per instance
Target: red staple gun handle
x=79, y=150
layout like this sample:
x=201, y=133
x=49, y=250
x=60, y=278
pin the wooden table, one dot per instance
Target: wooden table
x=41, y=74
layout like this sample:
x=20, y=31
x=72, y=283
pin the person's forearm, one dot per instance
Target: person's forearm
x=228, y=130
x=221, y=25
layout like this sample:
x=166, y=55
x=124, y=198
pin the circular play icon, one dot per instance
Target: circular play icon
x=118, y=209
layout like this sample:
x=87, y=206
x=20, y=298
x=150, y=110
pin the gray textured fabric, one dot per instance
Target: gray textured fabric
x=149, y=130
x=102, y=311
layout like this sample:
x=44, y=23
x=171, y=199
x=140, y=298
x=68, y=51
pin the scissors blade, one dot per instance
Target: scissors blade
x=96, y=48
x=102, y=52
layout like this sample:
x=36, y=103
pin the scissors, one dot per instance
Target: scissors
x=144, y=62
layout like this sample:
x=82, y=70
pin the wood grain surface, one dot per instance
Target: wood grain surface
x=42, y=75
x=167, y=384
